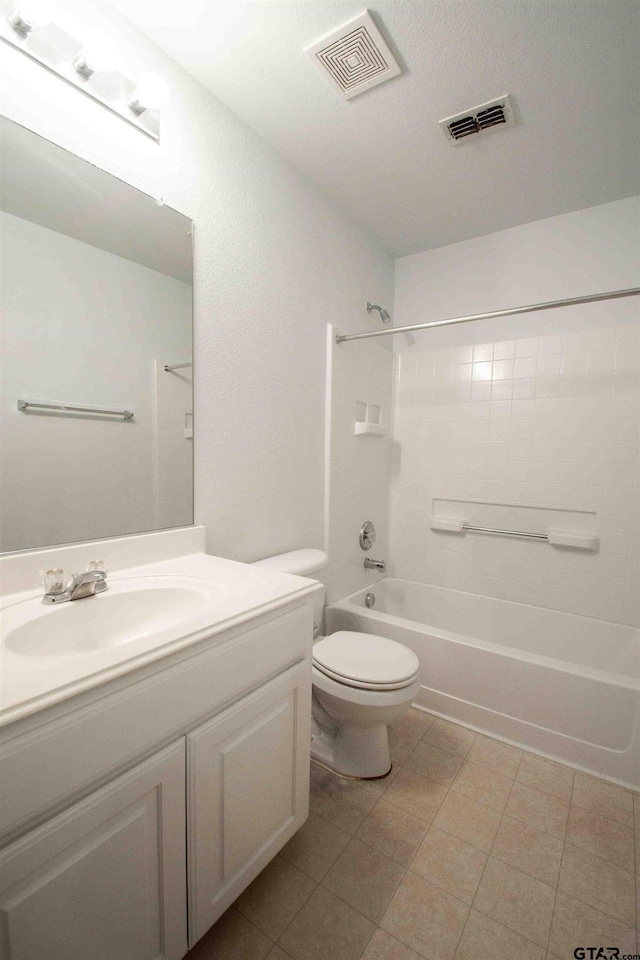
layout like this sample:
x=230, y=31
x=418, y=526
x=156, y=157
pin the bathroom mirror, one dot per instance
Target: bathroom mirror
x=96, y=352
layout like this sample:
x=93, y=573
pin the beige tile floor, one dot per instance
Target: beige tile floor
x=470, y=849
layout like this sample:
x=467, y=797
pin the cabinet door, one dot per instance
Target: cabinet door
x=104, y=880
x=248, y=791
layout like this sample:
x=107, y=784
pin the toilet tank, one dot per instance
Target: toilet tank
x=303, y=563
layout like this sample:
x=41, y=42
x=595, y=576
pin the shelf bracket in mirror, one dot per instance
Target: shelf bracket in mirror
x=24, y=405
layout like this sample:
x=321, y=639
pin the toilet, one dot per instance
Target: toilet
x=361, y=683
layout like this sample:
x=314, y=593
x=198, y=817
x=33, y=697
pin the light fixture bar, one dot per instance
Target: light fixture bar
x=127, y=102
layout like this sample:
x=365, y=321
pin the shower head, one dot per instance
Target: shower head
x=384, y=315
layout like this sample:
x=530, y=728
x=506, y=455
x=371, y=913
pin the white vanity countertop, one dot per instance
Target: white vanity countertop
x=228, y=593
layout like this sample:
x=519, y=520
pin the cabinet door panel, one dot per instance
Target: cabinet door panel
x=106, y=879
x=248, y=782
x=255, y=809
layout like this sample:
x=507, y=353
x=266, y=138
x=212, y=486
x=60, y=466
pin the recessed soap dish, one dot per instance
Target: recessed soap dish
x=368, y=420
x=374, y=429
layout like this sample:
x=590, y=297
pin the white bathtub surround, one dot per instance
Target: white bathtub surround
x=539, y=410
x=524, y=423
x=359, y=390
x=542, y=679
x=549, y=424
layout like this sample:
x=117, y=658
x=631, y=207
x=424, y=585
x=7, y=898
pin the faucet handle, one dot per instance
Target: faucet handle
x=54, y=581
x=97, y=566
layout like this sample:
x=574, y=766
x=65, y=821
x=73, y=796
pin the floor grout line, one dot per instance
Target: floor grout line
x=475, y=896
x=555, y=894
x=555, y=899
x=636, y=852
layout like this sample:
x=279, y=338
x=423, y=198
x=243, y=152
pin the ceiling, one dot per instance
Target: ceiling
x=571, y=67
x=49, y=186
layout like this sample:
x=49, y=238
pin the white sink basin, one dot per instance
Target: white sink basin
x=157, y=610
x=130, y=610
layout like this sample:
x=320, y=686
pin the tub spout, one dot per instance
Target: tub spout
x=378, y=565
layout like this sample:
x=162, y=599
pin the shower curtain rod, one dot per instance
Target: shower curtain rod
x=511, y=312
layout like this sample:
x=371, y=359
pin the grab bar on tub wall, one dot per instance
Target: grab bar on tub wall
x=557, y=538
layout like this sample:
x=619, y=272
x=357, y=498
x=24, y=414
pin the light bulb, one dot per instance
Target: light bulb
x=95, y=57
x=26, y=15
x=150, y=93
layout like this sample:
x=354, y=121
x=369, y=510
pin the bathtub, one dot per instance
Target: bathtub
x=561, y=685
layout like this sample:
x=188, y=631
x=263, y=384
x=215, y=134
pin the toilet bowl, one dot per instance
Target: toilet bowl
x=361, y=684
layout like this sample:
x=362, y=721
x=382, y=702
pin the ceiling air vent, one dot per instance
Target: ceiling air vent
x=355, y=57
x=479, y=119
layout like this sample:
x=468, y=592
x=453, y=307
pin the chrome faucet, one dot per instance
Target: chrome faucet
x=81, y=585
x=378, y=565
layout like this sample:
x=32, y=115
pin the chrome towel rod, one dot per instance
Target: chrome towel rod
x=73, y=408
x=511, y=312
x=506, y=533
x=170, y=367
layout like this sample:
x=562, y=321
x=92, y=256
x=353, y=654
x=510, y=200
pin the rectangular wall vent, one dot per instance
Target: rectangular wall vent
x=355, y=57
x=478, y=119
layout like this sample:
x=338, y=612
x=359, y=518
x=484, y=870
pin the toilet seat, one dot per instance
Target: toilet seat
x=365, y=661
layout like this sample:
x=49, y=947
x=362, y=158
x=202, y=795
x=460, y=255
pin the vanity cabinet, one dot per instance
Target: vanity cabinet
x=134, y=818
x=106, y=879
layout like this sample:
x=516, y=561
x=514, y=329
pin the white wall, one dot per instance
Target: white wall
x=589, y=251
x=274, y=262
x=84, y=326
x=541, y=409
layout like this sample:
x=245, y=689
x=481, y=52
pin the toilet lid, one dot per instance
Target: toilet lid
x=365, y=658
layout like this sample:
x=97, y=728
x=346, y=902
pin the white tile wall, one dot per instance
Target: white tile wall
x=357, y=467
x=551, y=421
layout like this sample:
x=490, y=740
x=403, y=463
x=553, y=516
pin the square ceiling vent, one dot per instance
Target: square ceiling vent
x=355, y=57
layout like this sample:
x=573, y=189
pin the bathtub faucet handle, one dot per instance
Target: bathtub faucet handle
x=378, y=565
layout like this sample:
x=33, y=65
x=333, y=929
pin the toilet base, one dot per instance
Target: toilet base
x=343, y=776
x=349, y=725
x=358, y=752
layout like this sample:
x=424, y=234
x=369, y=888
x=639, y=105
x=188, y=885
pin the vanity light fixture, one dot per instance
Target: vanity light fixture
x=91, y=68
